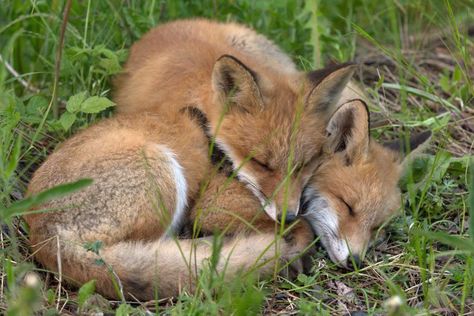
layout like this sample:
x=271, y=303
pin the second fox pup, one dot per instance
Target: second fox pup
x=268, y=118
x=353, y=191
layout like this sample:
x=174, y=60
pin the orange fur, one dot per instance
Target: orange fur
x=130, y=207
x=149, y=162
x=267, y=117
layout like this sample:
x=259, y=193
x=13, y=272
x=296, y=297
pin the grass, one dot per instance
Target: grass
x=416, y=64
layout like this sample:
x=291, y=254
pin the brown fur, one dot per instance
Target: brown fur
x=129, y=207
x=368, y=186
x=267, y=117
x=357, y=167
x=356, y=184
x=131, y=203
x=361, y=175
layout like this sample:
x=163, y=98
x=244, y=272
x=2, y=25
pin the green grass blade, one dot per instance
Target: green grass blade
x=24, y=205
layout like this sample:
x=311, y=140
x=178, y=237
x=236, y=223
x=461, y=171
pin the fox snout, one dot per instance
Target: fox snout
x=287, y=203
x=354, y=262
x=345, y=251
x=279, y=211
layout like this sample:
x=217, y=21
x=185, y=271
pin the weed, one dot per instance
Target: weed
x=416, y=62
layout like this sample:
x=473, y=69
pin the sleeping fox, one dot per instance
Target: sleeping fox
x=140, y=162
x=353, y=190
x=282, y=130
x=354, y=187
x=267, y=118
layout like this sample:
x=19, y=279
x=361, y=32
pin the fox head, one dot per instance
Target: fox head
x=355, y=188
x=272, y=127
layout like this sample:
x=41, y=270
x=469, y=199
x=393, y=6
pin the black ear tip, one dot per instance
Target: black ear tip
x=415, y=141
x=317, y=76
x=225, y=56
x=425, y=135
x=351, y=64
x=418, y=139
x=348, y=67
x=233, y=59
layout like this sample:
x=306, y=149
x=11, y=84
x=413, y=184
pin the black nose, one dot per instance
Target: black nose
x=289, y=218
x=354, y=260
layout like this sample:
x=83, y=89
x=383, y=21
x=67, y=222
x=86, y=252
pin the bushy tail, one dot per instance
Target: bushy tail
x=145, y=270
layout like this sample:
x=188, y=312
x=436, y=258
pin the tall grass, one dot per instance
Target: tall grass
x=423, y=266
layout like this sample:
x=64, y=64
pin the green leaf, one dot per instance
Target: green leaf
x=421, y=93
x=8, y=266
x=110, y=62
x=36, y=105
x=96, y=104
x=380, y=81
x=441, y=162
x=67, y=119
x=123, y=310
x=457, y=74
x=85, y=292
x=74, y=103
x=50, y=296
x=445, y=83
x=25, y=205
x=13, y=160
x=434, y=123
x=94, y=246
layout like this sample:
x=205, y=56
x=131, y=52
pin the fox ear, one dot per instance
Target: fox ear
x=328, y=86
x=348, y=131
x=235, y=85
x=410, y=149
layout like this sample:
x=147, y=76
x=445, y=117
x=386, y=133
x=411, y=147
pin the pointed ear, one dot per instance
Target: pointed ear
x=410, y=149
x=328, y=86
x=348, y=131
x=235, y=85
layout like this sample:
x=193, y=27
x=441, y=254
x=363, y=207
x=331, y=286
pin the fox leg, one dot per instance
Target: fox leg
x=228, y=207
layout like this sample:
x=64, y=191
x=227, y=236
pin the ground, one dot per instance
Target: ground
x=416, y=66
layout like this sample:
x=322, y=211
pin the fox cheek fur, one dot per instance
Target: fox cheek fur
x=355, y=188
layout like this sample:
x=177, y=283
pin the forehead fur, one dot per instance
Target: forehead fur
x=370, y=186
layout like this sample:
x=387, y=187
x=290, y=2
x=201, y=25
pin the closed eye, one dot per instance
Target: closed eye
x=349, y=208
x=298, y=168
x=261, y=164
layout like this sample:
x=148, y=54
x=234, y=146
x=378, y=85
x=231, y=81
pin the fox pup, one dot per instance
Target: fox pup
x=141, y=165
x=268, y=118
x=353, y=191
x=147, y=165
